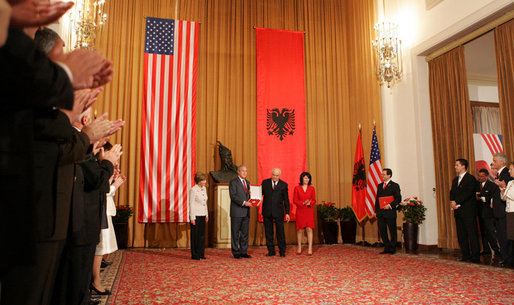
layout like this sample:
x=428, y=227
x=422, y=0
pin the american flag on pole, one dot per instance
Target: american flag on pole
x=168, y=120
x=374, y=175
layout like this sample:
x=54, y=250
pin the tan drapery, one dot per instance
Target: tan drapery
x=504, y=46
x=341, y=91
x=486, y=120
x=452, y=129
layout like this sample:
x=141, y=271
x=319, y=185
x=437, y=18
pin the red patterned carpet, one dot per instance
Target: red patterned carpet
x=338, y=274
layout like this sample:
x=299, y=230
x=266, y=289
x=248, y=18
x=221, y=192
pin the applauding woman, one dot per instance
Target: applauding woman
x=304, y=198
x=198, y=216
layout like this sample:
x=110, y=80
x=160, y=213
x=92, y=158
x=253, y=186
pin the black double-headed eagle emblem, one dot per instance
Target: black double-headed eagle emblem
x=280, y=122
x=359, y=175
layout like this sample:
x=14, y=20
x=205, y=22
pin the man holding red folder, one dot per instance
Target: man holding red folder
x=388, y=198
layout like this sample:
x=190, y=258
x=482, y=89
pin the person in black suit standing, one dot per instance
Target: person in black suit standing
x=275, y=202
x=486, y=191
x=500, y=215
x=463, y=203
x=239, y=189
x=387, y=215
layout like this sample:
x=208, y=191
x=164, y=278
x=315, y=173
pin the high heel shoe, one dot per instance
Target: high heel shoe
x=298, y=253
x=93, y=288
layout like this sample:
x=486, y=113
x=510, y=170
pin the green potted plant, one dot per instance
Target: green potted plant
x=348, y=223
x=329, y=215
x=120, y=222
x=413, y=215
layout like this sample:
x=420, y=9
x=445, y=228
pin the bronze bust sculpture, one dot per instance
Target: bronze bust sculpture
x=228, y=170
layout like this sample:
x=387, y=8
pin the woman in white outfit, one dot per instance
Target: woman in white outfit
x=198, y=216
x=107, y=242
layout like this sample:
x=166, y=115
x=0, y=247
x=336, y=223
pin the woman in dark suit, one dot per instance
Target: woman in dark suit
x=304, y=198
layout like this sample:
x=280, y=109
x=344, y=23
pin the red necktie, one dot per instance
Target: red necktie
x=244, y=184
x=385, y=184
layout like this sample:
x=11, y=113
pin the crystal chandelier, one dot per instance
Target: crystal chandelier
x=87, y=19
x=388, y=53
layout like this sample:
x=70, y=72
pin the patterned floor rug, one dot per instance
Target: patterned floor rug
x=337, y=274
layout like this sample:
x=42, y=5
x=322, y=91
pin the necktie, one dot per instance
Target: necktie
x=274, y=185
x=481, y=186
x=244, y=184
x=385, y=184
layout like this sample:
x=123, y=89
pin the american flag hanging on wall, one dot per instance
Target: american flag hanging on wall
x=168, y=120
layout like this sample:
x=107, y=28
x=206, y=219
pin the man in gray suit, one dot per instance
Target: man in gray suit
x=239, y=189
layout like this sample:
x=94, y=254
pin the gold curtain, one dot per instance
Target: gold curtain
x=504, y=46
x=341, y=92
x=452, y=132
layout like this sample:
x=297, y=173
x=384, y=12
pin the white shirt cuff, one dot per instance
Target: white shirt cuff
x=66, y=69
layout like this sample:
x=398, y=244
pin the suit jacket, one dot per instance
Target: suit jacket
x=392, y=189
x=275, y=200
x=96, y=186
x=500, y=205
x=238, y=195
x=28, y=81
x=465, y=195
x=490, y=192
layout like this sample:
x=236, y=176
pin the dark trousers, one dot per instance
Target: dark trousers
x=383, y=225
x=239, y=228
x=33, y=283
x=198, y=238
x=467, y=234
x=281, y=238
x=488, y=236
x=74, y=276
x=501, y=234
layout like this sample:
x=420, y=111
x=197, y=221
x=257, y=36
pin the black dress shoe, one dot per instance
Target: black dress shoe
x=270, y=254
x=245, y=256
x=475, y=260
x=98, y=292
x=237, y=256
x=94, y=301
x=384, y=252
x=203, y=257
x=504, y=263
x=463, y=259
x=392, y=252
x=105, y=264
x=195, y=258
x=282, y=255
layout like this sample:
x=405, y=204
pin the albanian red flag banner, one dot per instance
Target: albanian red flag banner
x=359, y=183
x=281, y=136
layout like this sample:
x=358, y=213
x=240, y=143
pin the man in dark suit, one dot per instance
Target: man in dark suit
x=500, y=162
x=275, y=202
x=239, y=189
x=486, y=190
x=387, y=215
x=464, y=205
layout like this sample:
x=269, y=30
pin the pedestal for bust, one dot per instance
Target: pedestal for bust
x=222, y=216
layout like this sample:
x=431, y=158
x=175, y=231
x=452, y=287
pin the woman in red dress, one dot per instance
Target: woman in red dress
x=304, y=197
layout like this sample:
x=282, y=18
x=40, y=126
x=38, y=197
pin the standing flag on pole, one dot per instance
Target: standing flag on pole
x=359, y=182
x=168, y=120
x=374, y=175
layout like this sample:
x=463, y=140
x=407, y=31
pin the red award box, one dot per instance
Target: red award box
x=254, y=202
x=383, y=201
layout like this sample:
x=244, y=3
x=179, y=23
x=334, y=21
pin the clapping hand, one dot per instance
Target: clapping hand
x=119, y=180
x=32, y=13
x=112, y=155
